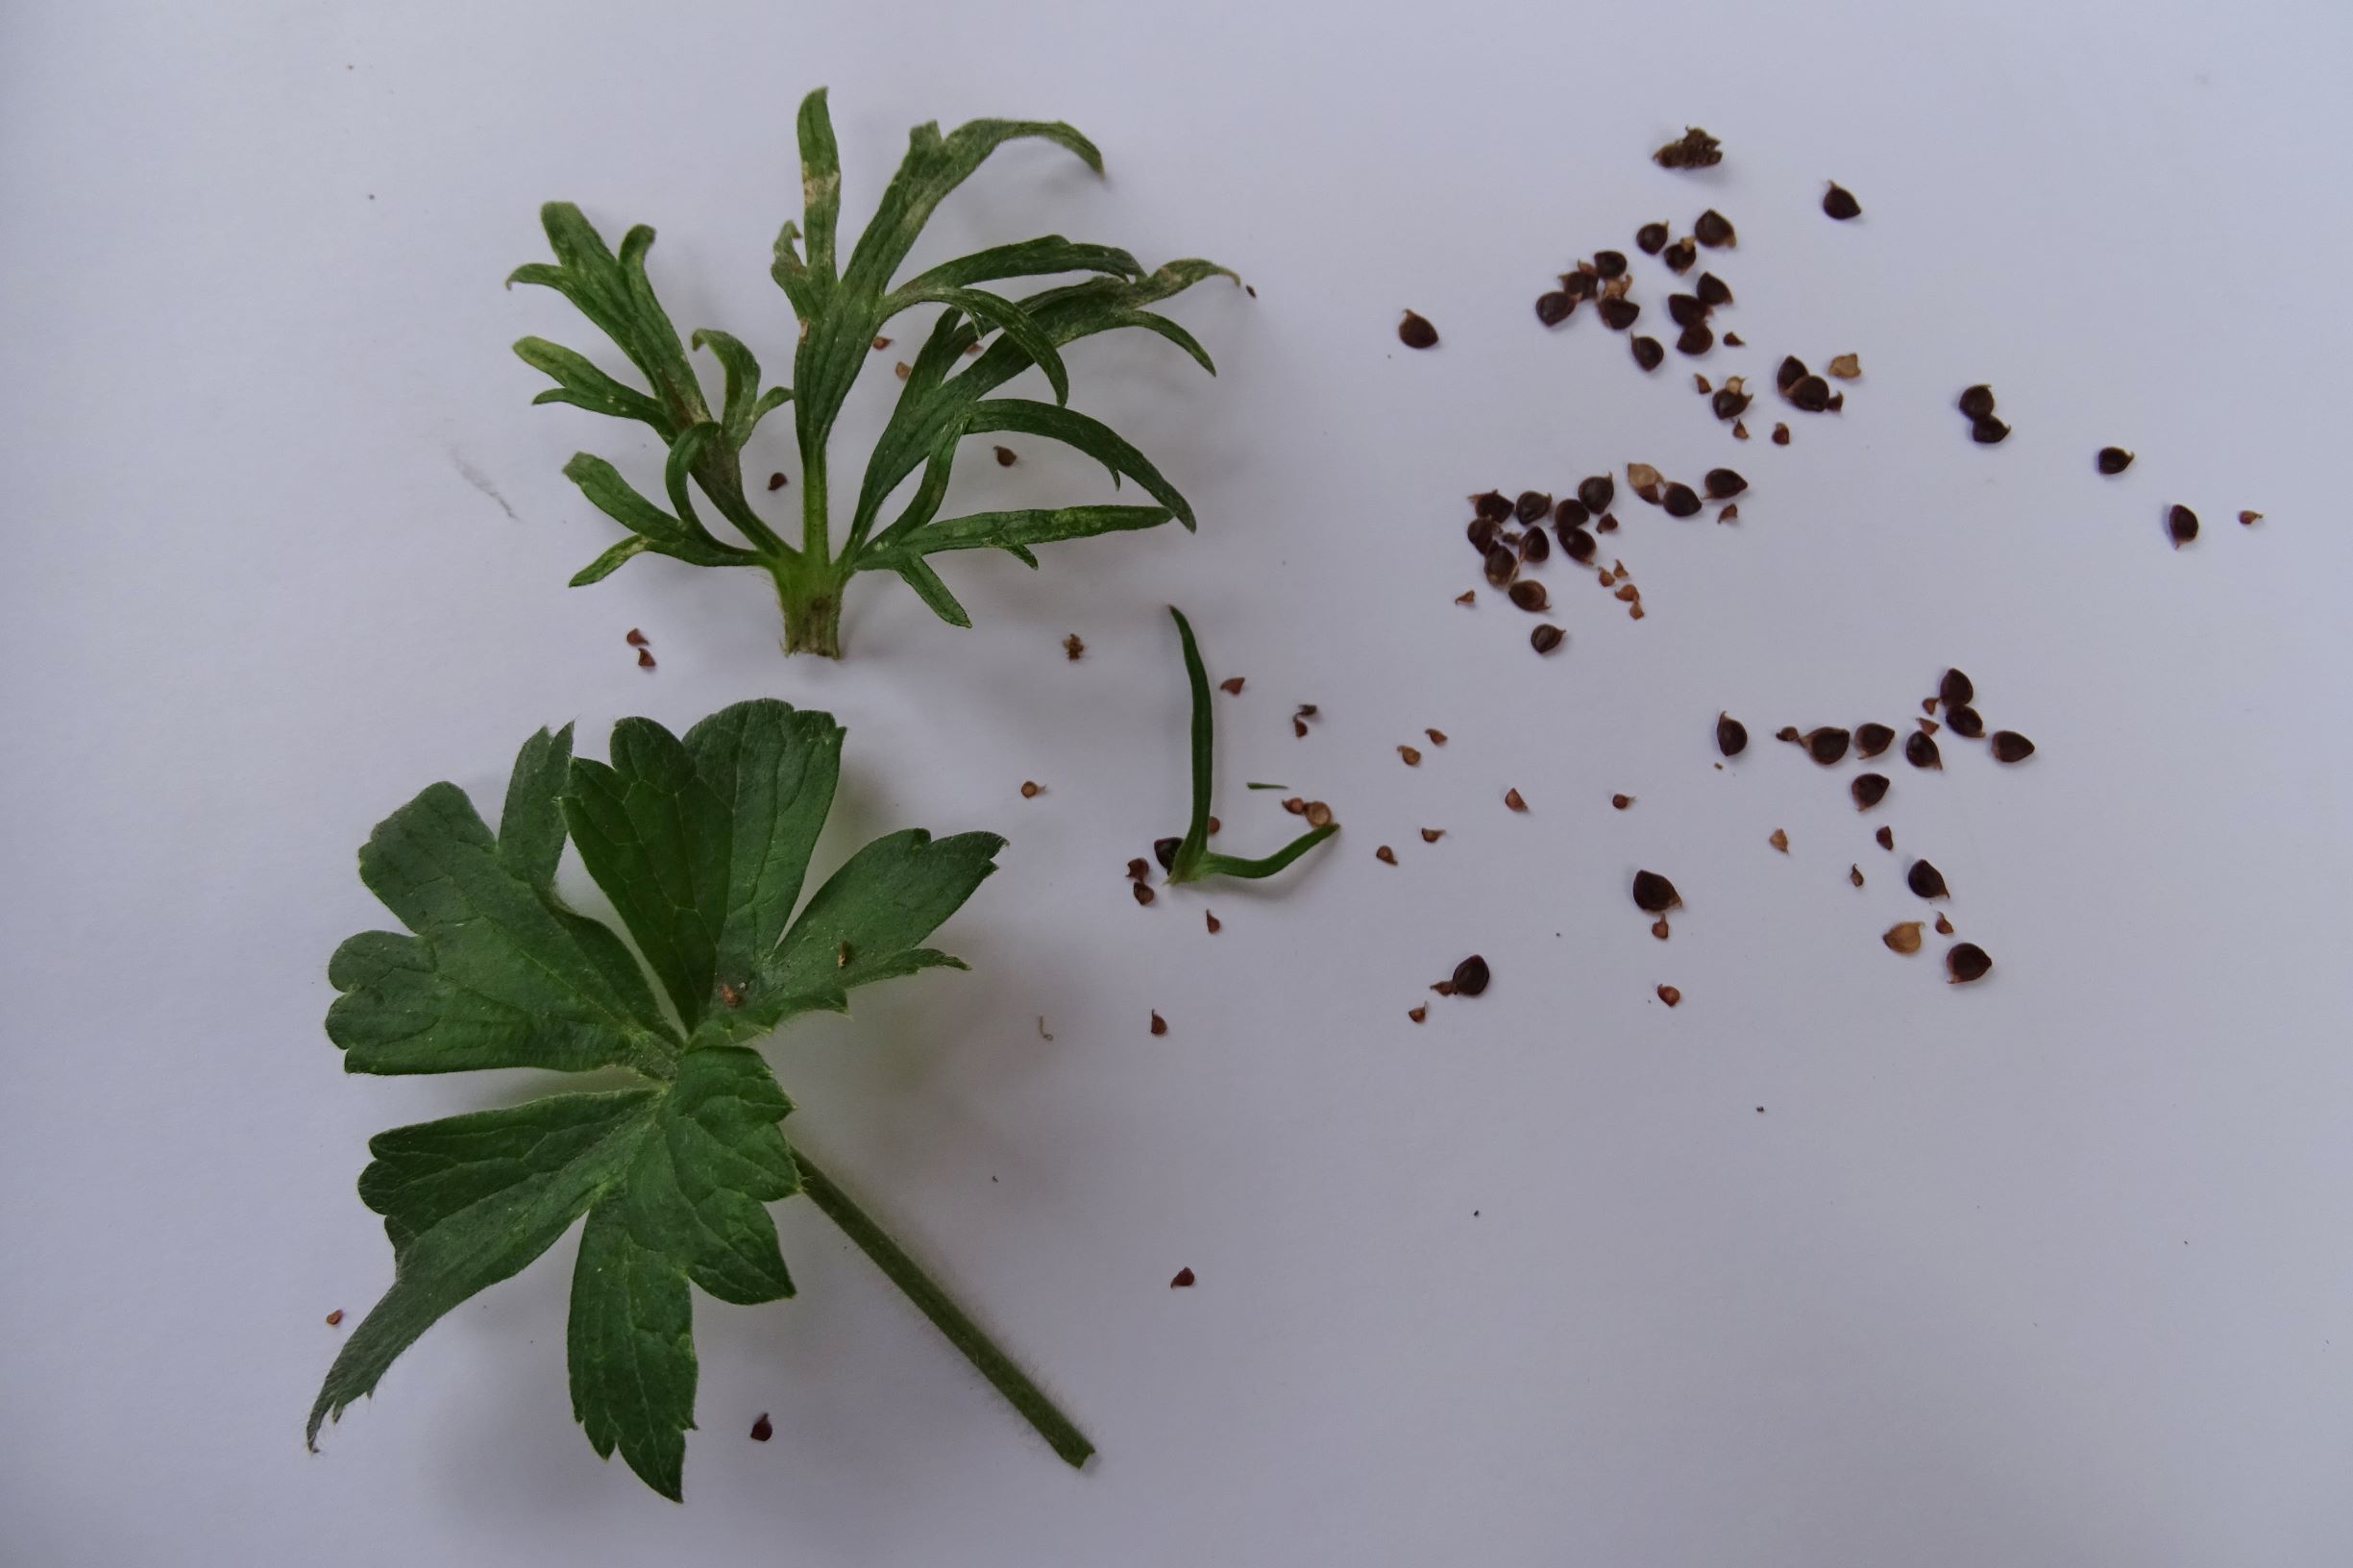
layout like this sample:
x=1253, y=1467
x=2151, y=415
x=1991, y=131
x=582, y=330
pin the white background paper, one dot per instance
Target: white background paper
x=2053, y=1270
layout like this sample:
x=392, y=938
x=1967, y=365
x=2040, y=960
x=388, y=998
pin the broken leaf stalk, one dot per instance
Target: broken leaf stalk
x=1194, y=859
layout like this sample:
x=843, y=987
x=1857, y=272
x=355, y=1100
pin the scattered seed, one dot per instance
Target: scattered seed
x=1073, y=649
x=1926, y=880
x=1696, y=339
x=1628, y=593
x=2180, y=521
x=902, y=370
x=1385, y=855
x=1299, y=728
x=1839, y=202
x=1976, y=402
x=1468, y=595
x=334, y=1317
x=1160, y=1025
x=1531, y=506
x=1493, y=505
x=1844, y=366
x=1789, y=733
x=1730, y=404
x=1826, y=744
x=1868, y=789
x=1618, y=315
x=1571, y=513
x=1142, y=892
x=1701, y=384
x=1686, y=309
x=1965, y=721
x=1791, y=370
x=1511, y=799
x=2113, y=459
x=1779, y=840
x=1580, y=283
x=2251, y=519
x=880, y=344
x=763, y=1429
x=1502, y=565
x=1184, y=1280
x=1694, y=149
x=1731, y=735
x=1886, y=837
x=1904, y=937
x=1418, y=1012
x=1654, y=893
x=1214, y=826
x=1554, y=307
x=1989, y=432
x=1650, y=238
x=1609, y=263
x=1723, y=484
x=1414, y=332
x=1444, y=988
x=1658, y=928
x=1546, y=638
x=1870, y=739
x=1740, y=430
x=1927, y=727
x=1644, y=480
x=1030, y=789
x=1680, y=257
x=1967, y=961
x=1943, y=926
x=1780, y=435
x=775, y=481
x=1232, y=686
x=1211, y=919
x=1670, y=995
x=1714, y=231
x=1319, y=813
x=1535, y=545
x=1620, y=801
x=1296, y=805
x=1733, y=340
x=2009, y=746
x=1413, y=758
x=1855, y=875
x=1596, y=492
x=1005, y=458
x=1712, y=290
x=1680, y=500
x=1471, y=976
x=1921, y=751
x=635, y=638
x=1481, y=532
x=645, y=658
x=1955, y=689
x=1810, y=393
x=1530, y=595
x=1633, y=612
x=1649, y=352
x=1607, y=522
x=1138, y=871
x=1579, y=545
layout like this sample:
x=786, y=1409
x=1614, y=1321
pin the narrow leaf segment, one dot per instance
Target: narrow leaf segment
x=1194, y=859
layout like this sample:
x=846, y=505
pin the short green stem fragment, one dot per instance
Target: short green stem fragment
x=1009, y=1380
x=812, y=605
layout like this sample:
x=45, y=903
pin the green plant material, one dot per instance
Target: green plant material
x=1194, y=859
x=701, y=844
x=842, y=307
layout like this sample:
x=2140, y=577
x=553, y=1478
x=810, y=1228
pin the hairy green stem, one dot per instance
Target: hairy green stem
x=1007, y=1379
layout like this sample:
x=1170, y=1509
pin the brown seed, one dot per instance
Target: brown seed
x=1654, y=893
x=1444, y=988
x=1844, y=366
x=1701, y=384
x=1826, y=744
x=1413, y=758
x=1921, y=751
x=635, y=638
x=2182, y=524
x=1296, y=805
x=1855, y=875
x=334, y=1317
x=1481, y=532
x=1789, y=733
x=1073, y=649
x=902, y=370
x=1546, y=638
x=1385, y=855
x=1989, y=432
x=1214, y=826
x=1142, y=892
x=1432, y=835
x=1714, y=231
x=1780, y=435
x=775, y=481
x=880, y=344
x=1658, y=928
x=1740, y=430
x=1967, y=961
x=1943, y=926
x=1210, y=919
x=1607, y=522
x=1723, y=484
x=1680, y=257
x=1868, y=789
x=1530, y=595
x=1886, y=837
x=1511, y=799
x=2251, y=519
x=1468, y=595
x=1733, y=340
x=1810, y=393
x=1160, y=1025
x=2113, y=459
x=1531, y=506
x=1493, y=505
x=1618, y=315
x=1577, y=545
x=1670, y=995
x=1299, y=728
x=1609, y=263
x=1418, y=1012
x=763, y=1429
x=1976, y=402
x=1731, y=735
x=1730, y=405
x=645, y=658
x=1620, y=801
x=1184, y=1279
x=1571, y=513
x=1580, y=282
x=1414, y=332
x=1839, y=202
x=2009, y=746
x=1790, y=373
x=1870, y=739
x=1503, y=564
x=1694, y=149
x=1554, y=307
x=1535, y=545
x=1696, y=339
x=1471, y=976
x=1319, y=813
x=1680, y=500
x=1686, y=309
x=1926, y=880
x=1030, y=789
x=1779, y=840
x=1596, y=492
x=1904, y=937
x=1005, y=458
x=1712, y=290
x=1965, y=721
x=1628, y=593
x=1633, y=612
x=1437, y=737
x=1232, y=685
x=1644, y=480
x=1955, y=689
x=1648, y=351
x=1650, y=238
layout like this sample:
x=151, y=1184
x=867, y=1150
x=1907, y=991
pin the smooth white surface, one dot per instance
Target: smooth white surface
x=2058, y=1270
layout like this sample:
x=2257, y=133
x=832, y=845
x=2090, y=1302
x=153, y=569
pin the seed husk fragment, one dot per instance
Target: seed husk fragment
x=1779, y=840
x=1740, y=430
x=1839, y=202
x=1967, y=961
x=1413, y=758
x=2251, y=519
x=1142, y=892
x=1210, y=919
x=1503, y=564
x=1886, y=837
x=1680, y=257
x=336, y=1316
x=1648, y=351
x=1546, y=638
x=1620, y=801
x=1780, y=435
x=1810, y=393
x=1618, y=315
x=1609, y=263
x=2181, y=524
x=1723, y=484
x=1437, y=737
x=1554, y=307
x=1317, y=814
x=1731, y=735
x=1471, y=976
x=1670, y=995
x=1976, y=402
x=1733, y=340
x=645, y=658
x=1607, y=522
x=1418, y=1012
x=1789, y=733
x=1943, y=926
x=1680, y=500
x=2009, y=746
x=1385, y=855
x=1650, y=238
x=1299, y=727
x=1232, y=685
x=1714, y=231
x=1712, y=290
x=1511, y=799
x=2113, y=459
x=1414, y=332
x=1579, y=545
x=1868, y=789
x=1530, y=595
x=1658, y=928
x=1926, y=880
x=1826, y=744
x=1432, y=835
x=1030, y=789
x=1989, y=432
x=1654, y=893
x=1870, y=739
x=1694, y=149
x=1855, y=875
x=1468, y=595
x=1160, y=1025
x=1921, y=751
x=775, y=481
x=1696, y=339
x=1965, y=721
x=1844, y=366
x=1904, y=937
x=1644, y=480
